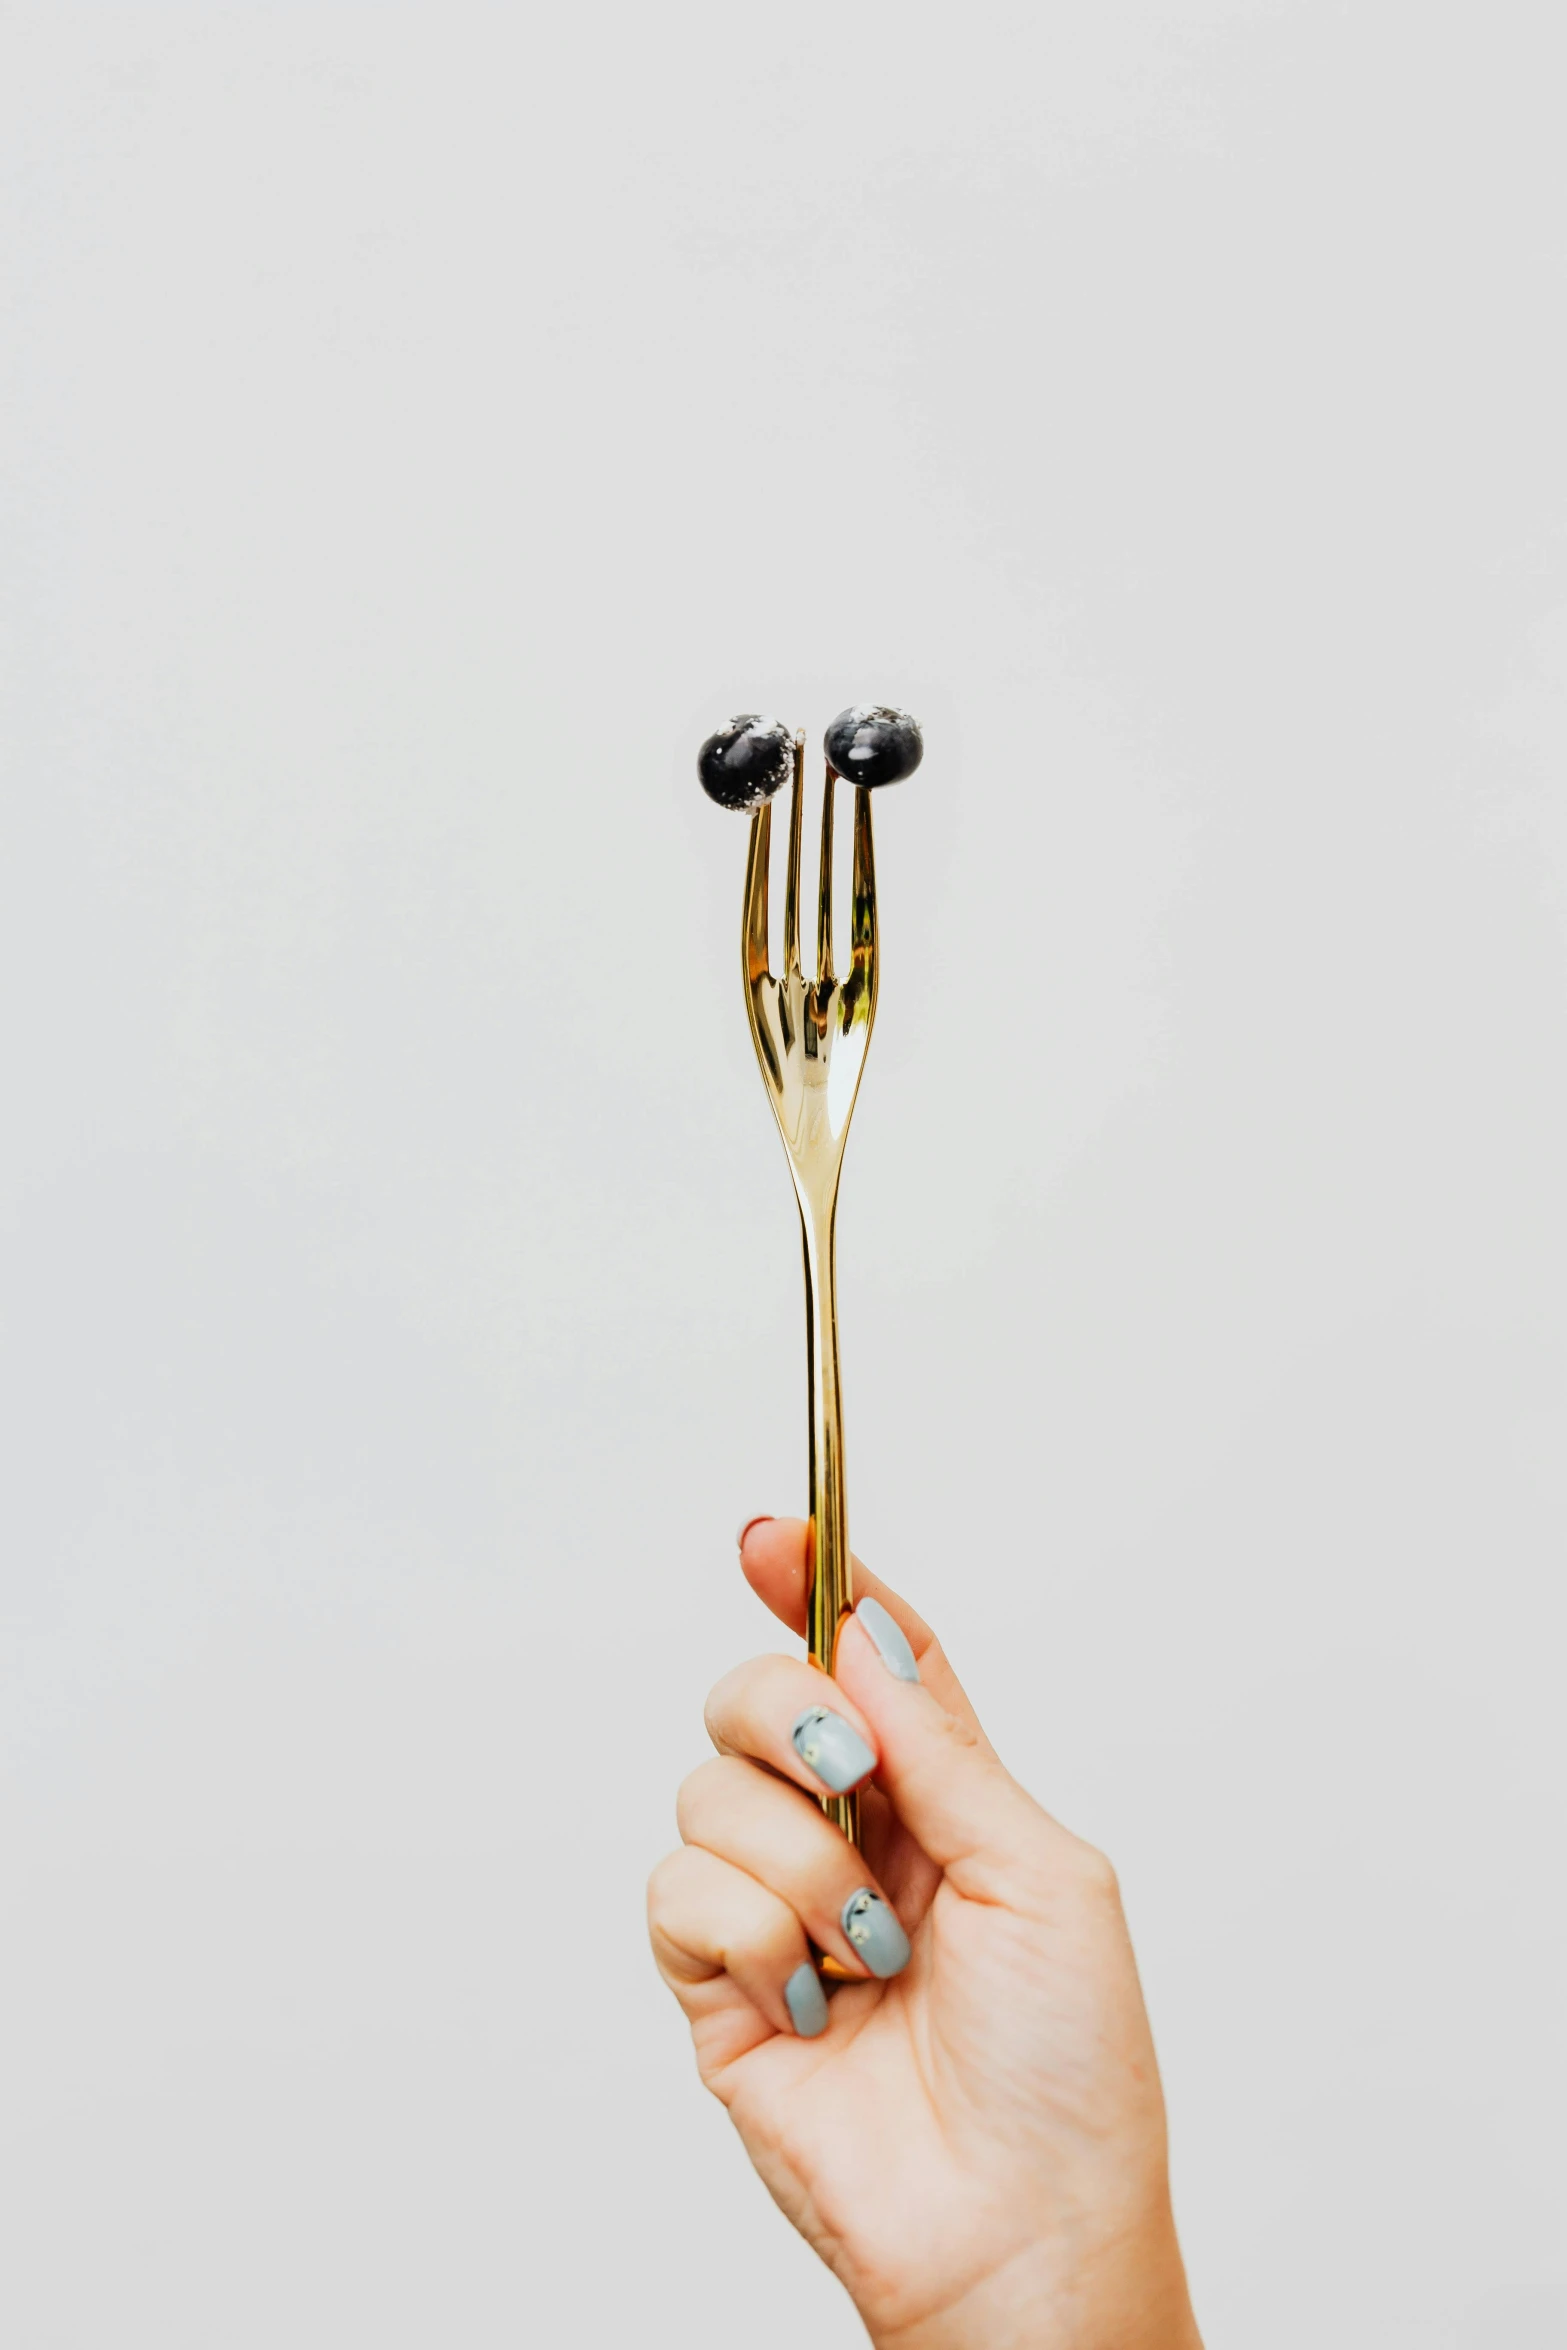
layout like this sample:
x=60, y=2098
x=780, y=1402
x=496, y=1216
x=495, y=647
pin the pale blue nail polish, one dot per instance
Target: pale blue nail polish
x=832, y=1748
x=891, y=1646
x=875, y=1933
x=806, y=2002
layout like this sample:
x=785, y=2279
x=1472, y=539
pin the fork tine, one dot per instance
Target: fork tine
x=824, y=887
x=792, y=875
x=756, y=864
x=864, y=893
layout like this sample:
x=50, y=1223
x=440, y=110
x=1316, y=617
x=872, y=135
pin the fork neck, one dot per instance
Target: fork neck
x=830, y=1588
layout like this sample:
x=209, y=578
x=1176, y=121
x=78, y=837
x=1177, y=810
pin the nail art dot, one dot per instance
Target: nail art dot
x=807, y=1745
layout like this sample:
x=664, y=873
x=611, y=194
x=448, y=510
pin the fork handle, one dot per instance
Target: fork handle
x=828, y=1566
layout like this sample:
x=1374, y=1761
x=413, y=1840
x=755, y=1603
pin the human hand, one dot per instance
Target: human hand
x=971, y=2133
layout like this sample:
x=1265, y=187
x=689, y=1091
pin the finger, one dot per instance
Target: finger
x=780, y=1837
x=707, y=1918
x=942, y=1778
x=772, y=1559
x=783, y=1712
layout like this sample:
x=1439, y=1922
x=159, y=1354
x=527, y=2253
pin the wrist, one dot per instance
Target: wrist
x=1129, y=2295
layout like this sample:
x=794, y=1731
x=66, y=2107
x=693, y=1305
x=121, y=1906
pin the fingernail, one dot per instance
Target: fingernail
x=763, y=1520
x=832, y=1748
x=806, y=2001
x=875, y=1933
x=891, y=1646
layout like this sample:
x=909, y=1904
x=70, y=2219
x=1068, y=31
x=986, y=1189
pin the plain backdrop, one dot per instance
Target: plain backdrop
x=421, y=426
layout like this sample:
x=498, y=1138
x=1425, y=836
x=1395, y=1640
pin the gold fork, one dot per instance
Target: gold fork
x=810, y=1037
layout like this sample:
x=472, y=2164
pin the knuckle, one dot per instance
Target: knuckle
x=699, y=1790
x=1096, y=1874
x=662, y=1895
x=719, y=1702
x=955, y=1731
x=735, y=1696
x=688, y=1797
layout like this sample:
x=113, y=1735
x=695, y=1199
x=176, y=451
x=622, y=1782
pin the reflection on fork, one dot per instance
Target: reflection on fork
x=810, y=1037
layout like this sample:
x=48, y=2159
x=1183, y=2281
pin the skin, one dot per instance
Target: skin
x=977, y=2147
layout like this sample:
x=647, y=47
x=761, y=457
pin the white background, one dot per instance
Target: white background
x=420, y=428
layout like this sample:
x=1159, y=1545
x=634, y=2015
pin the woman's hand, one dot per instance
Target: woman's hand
x=971, y=2133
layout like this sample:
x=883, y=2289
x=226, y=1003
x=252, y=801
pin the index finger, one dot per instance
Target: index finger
x=772, y=1559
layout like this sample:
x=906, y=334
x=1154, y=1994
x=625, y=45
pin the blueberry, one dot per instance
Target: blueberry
x=744, y=762
x=873, y=745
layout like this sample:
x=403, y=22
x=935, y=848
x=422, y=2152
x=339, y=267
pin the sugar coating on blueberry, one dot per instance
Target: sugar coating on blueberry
x=744, y=763
x=872, y=744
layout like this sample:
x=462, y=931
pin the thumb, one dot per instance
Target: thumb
x=937, y=1769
